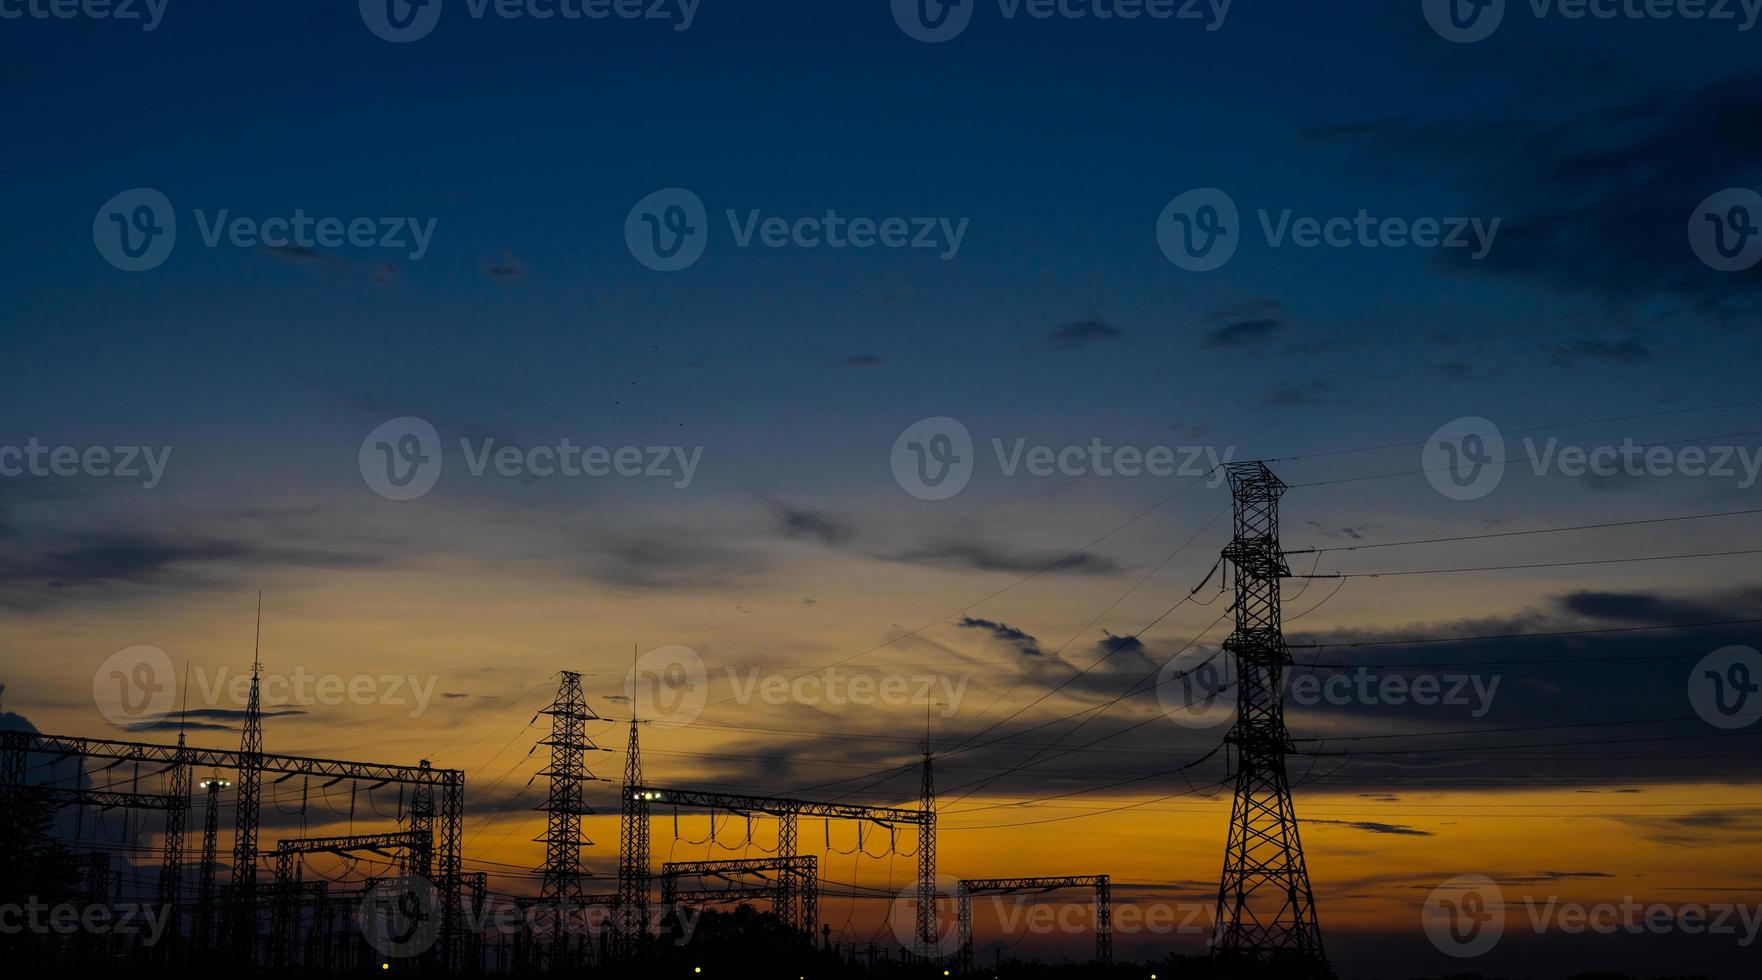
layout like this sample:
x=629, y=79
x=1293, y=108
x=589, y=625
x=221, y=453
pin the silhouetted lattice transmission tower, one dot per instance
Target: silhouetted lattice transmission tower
x=1265, y=910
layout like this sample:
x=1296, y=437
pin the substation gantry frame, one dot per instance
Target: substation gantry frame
x=788, y=812
x=417, y=845
x=16, y=747
x=968, y=887
x=791, y=884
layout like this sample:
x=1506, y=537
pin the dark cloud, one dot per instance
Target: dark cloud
x=987, y=558
x=305, y=255
x=862, y=360
x=1598, y=202
x=1082, y=333
x=1465, y=371
x=1374, y=827
x=1306, y=394
x=1025, y=643
x=1539, y=876
x=54, y=568
x=1113, y=643
x=1244, y=333
x=508, y=268
x=1642, y=608
x=824, y=526
x=1629, y=350
x=1344, y=533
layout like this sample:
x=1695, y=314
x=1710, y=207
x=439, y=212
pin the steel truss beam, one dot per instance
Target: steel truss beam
x=794, y=888
x=15, y=746
x=968, y=887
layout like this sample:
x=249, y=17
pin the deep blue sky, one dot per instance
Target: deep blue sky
x=1060, y=141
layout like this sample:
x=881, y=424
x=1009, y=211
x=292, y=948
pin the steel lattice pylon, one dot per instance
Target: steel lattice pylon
x=566, y=805
x=928, y=942
x=204, y=930
x=244, y=847
x=1265, y=911
x=631, y=913
x=171, y=872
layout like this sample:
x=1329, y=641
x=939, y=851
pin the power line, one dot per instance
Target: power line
x=1543, y=564
x=1539, y=530
x=1515, y=636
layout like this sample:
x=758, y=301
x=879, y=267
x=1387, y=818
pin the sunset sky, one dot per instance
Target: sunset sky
x=788, y=374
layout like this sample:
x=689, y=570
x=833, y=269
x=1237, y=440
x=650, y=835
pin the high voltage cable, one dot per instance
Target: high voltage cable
x=1498, y=731
x=1514, y=636
x=1085, y=629
x=1195, y=482
x=1545, y=564
x=1539, y=530
x=1118, y=644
